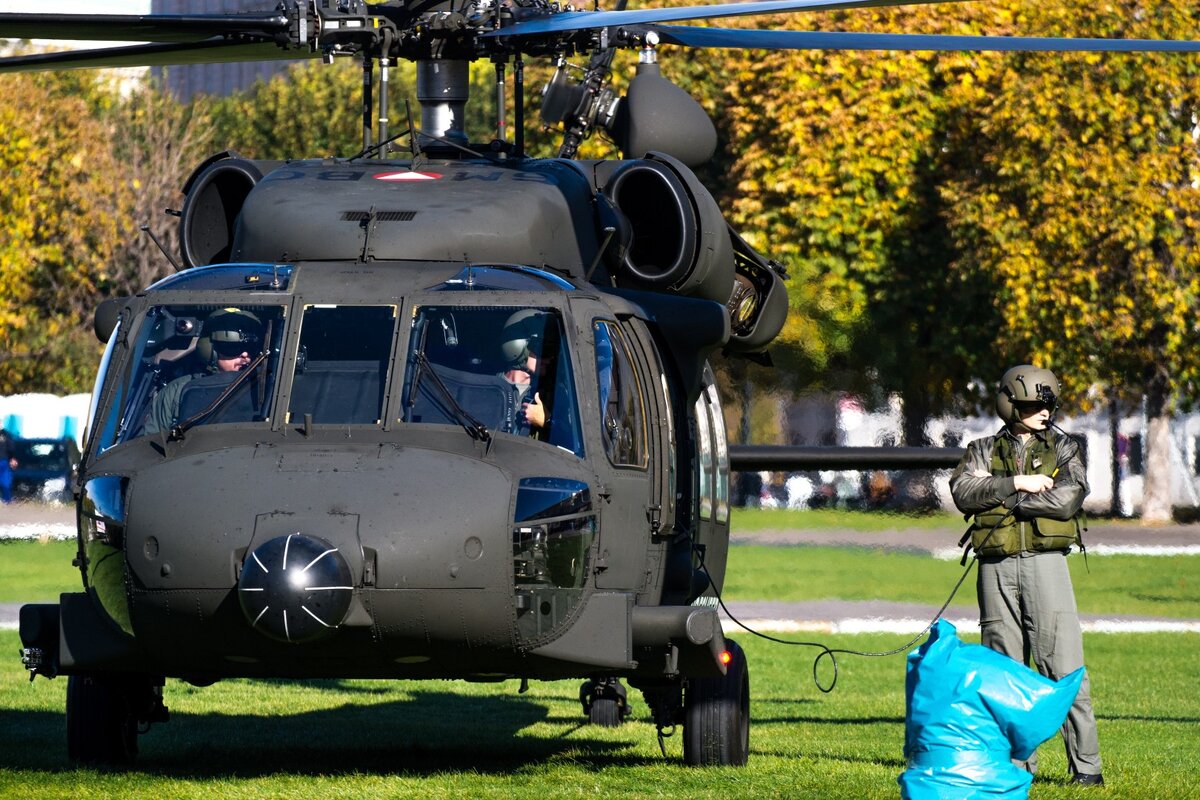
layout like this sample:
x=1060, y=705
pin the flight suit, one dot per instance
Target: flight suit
x=1026, y=602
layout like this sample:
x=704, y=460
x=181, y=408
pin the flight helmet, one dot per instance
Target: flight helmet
x=521, y=336
x=1026, y=384
x=227, y=330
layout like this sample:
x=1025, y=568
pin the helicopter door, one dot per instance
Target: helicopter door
x=712, y=479
x=661, y=440
x=624, y=435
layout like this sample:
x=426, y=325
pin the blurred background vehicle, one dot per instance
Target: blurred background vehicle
x=45, y=469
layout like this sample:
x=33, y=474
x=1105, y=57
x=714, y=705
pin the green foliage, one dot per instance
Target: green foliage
x=314, y=110
x=161, y=142
x=1157, y=586
x=944, y=215
x=309, y=111
x=60, y=214
x=831, y=162
x=1071, y=180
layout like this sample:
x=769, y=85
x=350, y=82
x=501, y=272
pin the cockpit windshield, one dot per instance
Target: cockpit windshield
x=195, y=365
x=493, y=369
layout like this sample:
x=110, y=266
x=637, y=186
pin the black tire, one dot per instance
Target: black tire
x=716, y=716
x=605, y=712
x=101, y=722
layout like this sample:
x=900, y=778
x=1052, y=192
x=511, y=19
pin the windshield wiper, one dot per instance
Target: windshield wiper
x=178, y=430
x=473, y=426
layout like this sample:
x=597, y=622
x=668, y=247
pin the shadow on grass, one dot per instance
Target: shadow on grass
x=822, y=755
x=431, y=733
x=1145, y=718
x=856, y=721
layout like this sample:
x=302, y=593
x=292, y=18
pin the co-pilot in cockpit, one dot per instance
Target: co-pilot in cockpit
x=493, y=368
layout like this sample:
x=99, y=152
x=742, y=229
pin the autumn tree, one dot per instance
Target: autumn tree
x=314, y=110
x=947, y=214
x=831, y=163
x=161, y=142
x=1072, y=182
x=61, y=206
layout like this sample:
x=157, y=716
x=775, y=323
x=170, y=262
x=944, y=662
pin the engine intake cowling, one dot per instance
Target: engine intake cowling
x=214, y=196
x=680, y=240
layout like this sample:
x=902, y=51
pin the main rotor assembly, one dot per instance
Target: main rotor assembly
x=443, y=36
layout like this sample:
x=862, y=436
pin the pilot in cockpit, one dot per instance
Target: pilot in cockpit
x=521, y=345
x=230, y=338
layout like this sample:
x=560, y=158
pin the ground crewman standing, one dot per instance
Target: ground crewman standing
x=1025, y=487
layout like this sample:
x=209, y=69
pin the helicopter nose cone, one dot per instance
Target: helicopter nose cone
x=295, y=588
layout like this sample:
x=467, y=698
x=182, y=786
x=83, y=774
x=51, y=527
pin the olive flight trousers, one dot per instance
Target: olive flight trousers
x=1027, y=610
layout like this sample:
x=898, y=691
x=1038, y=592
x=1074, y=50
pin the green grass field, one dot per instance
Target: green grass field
x=1165, y=586
x=372, y=739
x=243, y=739
x=1161, y=586
x=746, y=520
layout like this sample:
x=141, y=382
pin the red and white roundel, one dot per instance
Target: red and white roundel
x=407, y=175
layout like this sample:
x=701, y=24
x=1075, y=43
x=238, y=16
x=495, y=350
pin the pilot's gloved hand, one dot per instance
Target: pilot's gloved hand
x=535, y=412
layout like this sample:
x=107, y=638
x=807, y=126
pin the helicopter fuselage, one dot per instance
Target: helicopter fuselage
x=379, y=423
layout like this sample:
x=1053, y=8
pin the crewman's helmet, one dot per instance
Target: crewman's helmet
x=1026, y=384
x=521, y=336
x=229, y=332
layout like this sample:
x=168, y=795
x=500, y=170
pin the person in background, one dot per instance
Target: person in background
x=7, y=464
x=1025, y=487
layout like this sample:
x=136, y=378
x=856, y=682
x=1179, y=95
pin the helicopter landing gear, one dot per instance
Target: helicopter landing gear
x=105, y=714
x=716, y=715
x=605, y=702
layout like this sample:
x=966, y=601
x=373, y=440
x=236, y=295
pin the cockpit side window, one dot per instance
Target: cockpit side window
x=189, y=365
x=622, y=399
x=342, y=364
x=713, y=453
x=500, y=368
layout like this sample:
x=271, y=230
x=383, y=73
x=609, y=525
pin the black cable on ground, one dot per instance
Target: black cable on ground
x=831, y=652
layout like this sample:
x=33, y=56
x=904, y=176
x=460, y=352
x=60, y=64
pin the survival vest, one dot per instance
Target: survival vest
x=1012, y=536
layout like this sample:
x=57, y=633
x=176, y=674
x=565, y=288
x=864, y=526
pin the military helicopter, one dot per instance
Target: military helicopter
x=445, y=415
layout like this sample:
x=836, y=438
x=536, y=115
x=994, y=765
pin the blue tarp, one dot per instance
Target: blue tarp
x=970, y=711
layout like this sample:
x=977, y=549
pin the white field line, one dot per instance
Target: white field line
x=912, y=626
x=37, y=530
x=955, y=553
x=41, y=530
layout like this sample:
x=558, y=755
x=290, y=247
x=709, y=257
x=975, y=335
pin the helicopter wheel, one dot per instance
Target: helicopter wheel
x=716, y=716
x=605, y=712
x=605, y=702
x=103, y=717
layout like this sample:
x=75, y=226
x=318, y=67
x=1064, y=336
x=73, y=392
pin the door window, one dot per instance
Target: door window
x=622, y=400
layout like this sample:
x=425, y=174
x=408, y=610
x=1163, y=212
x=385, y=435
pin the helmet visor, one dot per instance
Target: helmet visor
x=230, y=344
x=1044, y=399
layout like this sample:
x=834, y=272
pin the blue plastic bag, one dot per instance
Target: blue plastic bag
x=970, y=711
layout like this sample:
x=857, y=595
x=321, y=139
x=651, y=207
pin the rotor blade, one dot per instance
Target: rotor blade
x=832, y=40
x=755, y=458
x=149, y=55
x=583, y=20
x=139, y=28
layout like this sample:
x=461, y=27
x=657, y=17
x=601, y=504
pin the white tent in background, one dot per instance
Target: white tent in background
x=45, y=416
